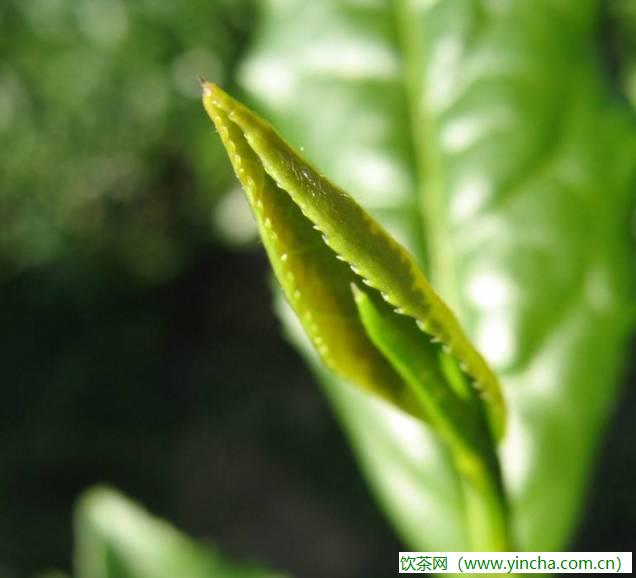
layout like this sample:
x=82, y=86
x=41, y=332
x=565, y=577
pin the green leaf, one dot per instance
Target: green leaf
x=115, y=538
x=315, y=282
x=407, y=464
x=89, y=192
x=264, y=163
x=454, y=412
x=623, y=29
x=484, y=136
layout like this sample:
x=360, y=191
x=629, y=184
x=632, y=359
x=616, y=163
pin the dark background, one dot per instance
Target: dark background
x=185, y=397
x=139, y=348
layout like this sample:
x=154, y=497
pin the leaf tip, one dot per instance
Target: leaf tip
x=216, y=102
x=215, y=95
x=358, y=294
x=208, y=88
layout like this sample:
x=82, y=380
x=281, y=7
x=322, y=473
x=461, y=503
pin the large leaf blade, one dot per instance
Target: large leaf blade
x=534, y=209
x=523, y=164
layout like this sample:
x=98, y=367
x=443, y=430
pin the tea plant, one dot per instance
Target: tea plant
x=501, y=157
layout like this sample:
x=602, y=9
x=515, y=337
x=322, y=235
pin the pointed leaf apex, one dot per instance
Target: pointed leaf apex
x=358, y=294
x=214, y=95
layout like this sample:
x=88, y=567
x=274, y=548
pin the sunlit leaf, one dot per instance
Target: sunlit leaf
x=484, y=136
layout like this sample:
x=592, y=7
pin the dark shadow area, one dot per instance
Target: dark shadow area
x=185, y=397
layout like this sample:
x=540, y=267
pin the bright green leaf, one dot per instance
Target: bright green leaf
x=455, y=415
x=454, y=412
x=484, y=136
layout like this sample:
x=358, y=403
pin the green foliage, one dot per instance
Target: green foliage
x=294, y=206
x=455, y=414
x=117, y=539
x=623, y=22
x=103, y=160
x=485, y=137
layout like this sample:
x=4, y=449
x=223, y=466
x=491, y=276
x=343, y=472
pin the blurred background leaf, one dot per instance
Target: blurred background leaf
x=125, y=318
x=492, y=128
x=622, y=34
x=109, y=165
x=117, y=539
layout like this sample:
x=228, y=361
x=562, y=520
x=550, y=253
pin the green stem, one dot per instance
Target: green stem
x=473, y=450
x=475, y=456
x=486, y=508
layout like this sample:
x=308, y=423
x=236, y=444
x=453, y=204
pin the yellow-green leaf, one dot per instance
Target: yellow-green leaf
x=294, y=206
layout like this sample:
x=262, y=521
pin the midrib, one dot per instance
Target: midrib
x=436, y=253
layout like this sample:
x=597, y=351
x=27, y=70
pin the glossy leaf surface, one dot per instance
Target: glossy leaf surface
x=484, y=135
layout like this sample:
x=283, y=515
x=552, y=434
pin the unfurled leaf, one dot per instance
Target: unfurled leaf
x=487, y=138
